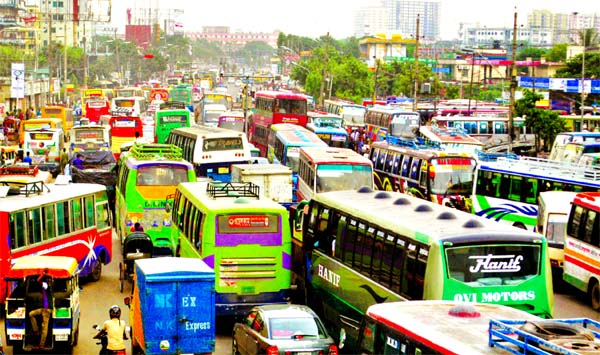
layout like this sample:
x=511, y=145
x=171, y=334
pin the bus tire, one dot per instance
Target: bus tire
x=96, y=271
x=594, y=294
x=552, y=330
x=580, y=346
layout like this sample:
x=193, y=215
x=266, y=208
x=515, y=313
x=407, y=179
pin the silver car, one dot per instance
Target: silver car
x=282, y=329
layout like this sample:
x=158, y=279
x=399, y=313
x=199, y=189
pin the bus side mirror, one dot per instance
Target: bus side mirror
x=168, y=207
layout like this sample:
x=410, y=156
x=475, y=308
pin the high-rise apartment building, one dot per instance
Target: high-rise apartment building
x=399, y=17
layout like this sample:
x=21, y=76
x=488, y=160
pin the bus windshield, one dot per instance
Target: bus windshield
x=335, y=177
x=218, y=144
x=455, y=178
x=292, y=158
x=161, y=175
x=297, y=107
x=493, y=264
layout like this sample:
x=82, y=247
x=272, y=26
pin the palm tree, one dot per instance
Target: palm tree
x=588, y=37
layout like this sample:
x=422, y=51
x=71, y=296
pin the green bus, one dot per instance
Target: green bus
x=362, y=247
x=244, y=236
x=148, y=175
x=182, y=93
x=172, y=114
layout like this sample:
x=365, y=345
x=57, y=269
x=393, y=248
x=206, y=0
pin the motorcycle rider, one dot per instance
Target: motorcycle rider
x=115, y=331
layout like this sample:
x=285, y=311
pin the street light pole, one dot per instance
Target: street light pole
x=513, y=84
x=416, y=94
x=583, y=74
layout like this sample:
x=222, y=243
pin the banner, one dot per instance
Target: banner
x=17, y=81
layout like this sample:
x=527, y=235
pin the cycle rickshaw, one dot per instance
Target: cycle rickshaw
x=137, y=245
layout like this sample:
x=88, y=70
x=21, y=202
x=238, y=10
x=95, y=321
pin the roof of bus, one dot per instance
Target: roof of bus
x=133, y=162
x=207, y=130
x=326, y=129
x=300, y=136
x=421, y=153
x=56, y=266
x=319, y=114
x=556, y=170
x=435, y=323
x=588, y=199
x=40, y=120
x=198, y=191
x=425, y=221
x=557, y=201
x=391, y=109
x=343, y=103
x=333, y=155
x=280, y=95
x=448, y=136
x=14, y=203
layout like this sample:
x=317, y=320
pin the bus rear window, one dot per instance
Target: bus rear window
x=246, y=223
x=42, y=136
x=53, y=111
x=493, y=265
x=227, y=143
x=124, y=103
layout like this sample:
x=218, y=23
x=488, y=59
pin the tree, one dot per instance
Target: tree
x=531, y=52
x=558, y=53
x=546, y=124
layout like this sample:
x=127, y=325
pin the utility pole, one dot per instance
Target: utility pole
x=513, y=85
x=322, y=92
x=416, y=94
x=64, y=81
x=583, y=75
x=50, y=50
x=117, y=58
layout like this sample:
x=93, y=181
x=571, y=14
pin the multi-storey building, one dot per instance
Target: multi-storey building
x=223, y=35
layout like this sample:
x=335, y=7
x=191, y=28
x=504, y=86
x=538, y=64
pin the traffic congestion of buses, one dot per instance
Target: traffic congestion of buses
x=343, y=229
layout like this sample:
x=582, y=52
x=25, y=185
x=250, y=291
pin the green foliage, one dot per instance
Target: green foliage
x=546, y=124
x=558, y=53
x=531, y=52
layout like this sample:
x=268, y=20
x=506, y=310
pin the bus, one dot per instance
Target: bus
x=581, y=268
x=64, y=113
x=44, y=146
x=182, y=93
x=9, y=154
x=491, y=128
x=148, y=175
x=554, y=208
x=91, y=137
x=212, y=150
x=352, y=114
x=450, y=140
x=129, y=106
x=55, y=219
x=433, y=175
x=355, y=248
x=285, y=141
x=129, y=92
x=507, y=190
x=273, y=107
x=172, y=114
x=574, y=123
x=562, y=139
x=124, y=129
x=23, y=173
x=574, y=151
x=329, y=128
x=323, y=169
x=233, y=120
x=384, y=121
x=242, y=235
x=95, y=108
x=38, y=123
x=435, y=327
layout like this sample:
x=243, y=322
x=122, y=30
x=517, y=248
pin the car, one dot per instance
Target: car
x=279, y=329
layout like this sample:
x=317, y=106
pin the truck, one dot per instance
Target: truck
x=274, y=180
x=172, y=308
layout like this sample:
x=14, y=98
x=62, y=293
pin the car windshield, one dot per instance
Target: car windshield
x=287, y=328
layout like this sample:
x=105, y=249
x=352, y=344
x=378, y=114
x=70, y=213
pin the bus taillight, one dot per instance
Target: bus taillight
x=272, y=350
x=333, y=350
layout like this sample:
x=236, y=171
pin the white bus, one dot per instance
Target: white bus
x=352, y=114
x=44, y=147
x=129, y=106
x=212, y=150
x=553, y=214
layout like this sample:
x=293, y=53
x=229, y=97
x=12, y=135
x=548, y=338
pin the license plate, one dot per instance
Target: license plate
x=61, y=337
x=16, y=336
x=225, y=170
x=304, y=353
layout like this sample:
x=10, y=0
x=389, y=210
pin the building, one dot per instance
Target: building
x=383, y=48
x=224, y=36
x=400, y=17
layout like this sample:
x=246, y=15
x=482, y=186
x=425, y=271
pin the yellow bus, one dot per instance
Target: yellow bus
x=38, y=123
x=64, y=113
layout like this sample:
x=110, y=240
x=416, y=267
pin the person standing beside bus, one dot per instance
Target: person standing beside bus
x=27, y=159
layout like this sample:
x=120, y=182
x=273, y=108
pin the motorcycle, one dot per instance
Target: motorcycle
x=102, y=336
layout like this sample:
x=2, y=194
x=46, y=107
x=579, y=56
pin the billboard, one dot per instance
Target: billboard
x=141, y=35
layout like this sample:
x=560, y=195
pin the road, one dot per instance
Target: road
x=97, y=297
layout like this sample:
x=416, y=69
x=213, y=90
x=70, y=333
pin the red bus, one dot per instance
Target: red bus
x=324, y=169
x=96, y=107
x=123, y=129
x=273, y=107
x=61, y=220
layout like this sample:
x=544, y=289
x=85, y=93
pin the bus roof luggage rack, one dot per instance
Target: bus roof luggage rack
x=229, y=189
x=412, y=143
x=552, y=336
x=553, y=167
x=25, y=188
x=173, y=105
x=494, y=156
x=155, y=151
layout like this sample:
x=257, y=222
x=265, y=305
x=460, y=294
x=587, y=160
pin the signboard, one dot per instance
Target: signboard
x=17, y=82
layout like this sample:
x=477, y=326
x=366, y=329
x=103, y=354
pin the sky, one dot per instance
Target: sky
x=314, y=18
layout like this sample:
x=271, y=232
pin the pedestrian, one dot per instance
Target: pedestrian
x=64, y=160
x=27, y=159
x=45, y=310
x=137, y=227
x=78, y=162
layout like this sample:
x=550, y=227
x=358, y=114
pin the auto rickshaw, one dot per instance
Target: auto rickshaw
x=28, y=279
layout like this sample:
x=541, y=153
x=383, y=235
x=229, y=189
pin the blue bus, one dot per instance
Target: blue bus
x=329, y=127
x=285, y=141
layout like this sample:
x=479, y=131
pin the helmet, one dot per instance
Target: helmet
x=114, y=311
